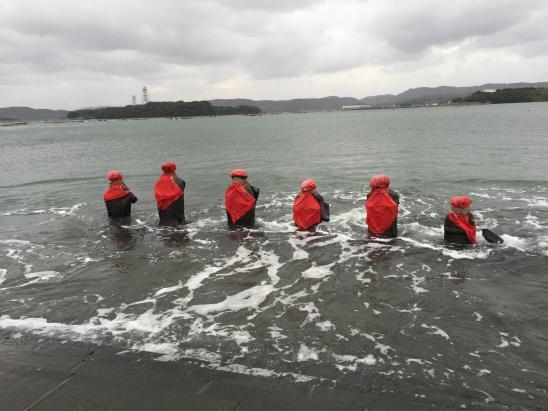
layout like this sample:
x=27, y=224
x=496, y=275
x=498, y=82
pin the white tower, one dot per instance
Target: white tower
x=145, y=95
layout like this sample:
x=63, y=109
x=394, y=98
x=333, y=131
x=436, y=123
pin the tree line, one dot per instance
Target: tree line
x=162, y=109
x=507, y=95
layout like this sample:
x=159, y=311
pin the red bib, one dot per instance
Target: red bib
x=463, y=222
x=306, y=210
x=381, y=211
x=166, y=191
x=116, y=191
x=238, y=201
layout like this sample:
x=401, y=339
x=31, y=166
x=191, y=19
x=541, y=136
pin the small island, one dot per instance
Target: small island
x=507, y=95
x=163, y=109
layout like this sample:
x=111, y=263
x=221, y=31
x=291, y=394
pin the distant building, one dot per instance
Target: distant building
x=489, y=90
x=357, y=107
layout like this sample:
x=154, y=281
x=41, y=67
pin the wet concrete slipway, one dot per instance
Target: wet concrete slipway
x=48, y=374
x=94, y=316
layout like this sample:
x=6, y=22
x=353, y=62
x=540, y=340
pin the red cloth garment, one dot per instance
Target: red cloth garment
x=463, y=222
x=116, y=191
x=306, y=210
x=308, y=185
x=381, y=211
x=379, y=181
x=238, y=172
x=169, y=167
x=166, y=191
x=238, y=201
x=461, y=201
x=114, y=175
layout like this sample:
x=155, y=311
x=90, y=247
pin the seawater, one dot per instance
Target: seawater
x=409, y=317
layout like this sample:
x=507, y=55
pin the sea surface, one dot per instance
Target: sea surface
x=410, y=318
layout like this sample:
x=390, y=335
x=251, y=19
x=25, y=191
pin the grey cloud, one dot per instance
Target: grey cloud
x=277, y=6
x=417, y=26
x=214, y=40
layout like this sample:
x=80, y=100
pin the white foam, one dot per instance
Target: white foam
x=437, y=331
x=354, y=216
x=467, y=254
x=298, y=252
x=514, y=242
x=431, y=373
x=516, y=342
x=250, y=298
x=23, y=211
x=479, y=317
x=543, y=243
x=14, y=241
x=276, y=334
x=196, y=280
x=306, y=354
x=430, y=231
x=37, y=277
x=532, y=221
x=420, y=361
x=416, y=282
x=277, y=227
x=325, y=325
x=101, y=312
x=3, y=275
x=367, y=360
x=362, y=276
x=168, y=289
x=312, y=312
x=383, y=348
x=261, y=372
x=318, y=271
x=300, y=255
x=62, y=211
x=198, y=329
x=204, y=242
x=159, y=348
x=42, y=275
x=488, y=397
x=419, y=244
x=482, y=195
x=537, y=202
x=503, y=343
x=334, y=240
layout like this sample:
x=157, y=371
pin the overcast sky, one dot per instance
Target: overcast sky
x=71, y=54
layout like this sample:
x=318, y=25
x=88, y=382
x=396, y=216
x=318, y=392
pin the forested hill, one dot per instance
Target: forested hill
x=31, y=114
x=420, y=95
x=509, y=95
x=162, y=109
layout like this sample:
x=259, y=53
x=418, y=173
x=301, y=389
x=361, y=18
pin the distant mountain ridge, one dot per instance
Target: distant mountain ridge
x=32, y=114
x=420, y=95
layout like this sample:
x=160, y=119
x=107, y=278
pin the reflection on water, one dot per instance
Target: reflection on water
x=175, y=238
x=122, y=237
